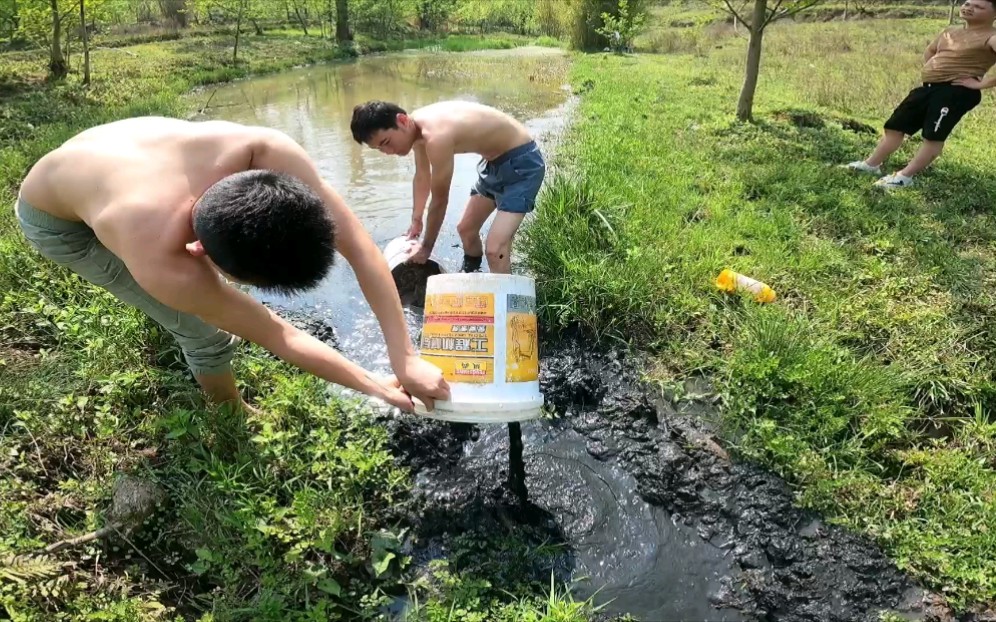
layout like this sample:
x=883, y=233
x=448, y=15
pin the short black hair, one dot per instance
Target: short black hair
x=372, y=116
x=267, y=229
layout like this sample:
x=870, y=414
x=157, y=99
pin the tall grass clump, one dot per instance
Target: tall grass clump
x=869, y=383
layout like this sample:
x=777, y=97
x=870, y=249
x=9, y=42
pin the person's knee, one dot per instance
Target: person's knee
x=210, y=355
x=497, y=249
x=467, y=229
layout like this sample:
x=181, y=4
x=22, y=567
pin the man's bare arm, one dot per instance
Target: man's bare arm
x=276, y=151
x=440, y=153
x=983, y=83
x=190, y=286
x=420, y=184
x=990, y=82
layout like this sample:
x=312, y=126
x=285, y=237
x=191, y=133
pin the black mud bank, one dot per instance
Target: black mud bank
x=632, y=499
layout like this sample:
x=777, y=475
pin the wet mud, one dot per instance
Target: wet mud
x=643, y=506
x=411, y=280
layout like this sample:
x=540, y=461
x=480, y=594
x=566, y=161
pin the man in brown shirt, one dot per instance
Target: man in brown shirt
x=953, y=74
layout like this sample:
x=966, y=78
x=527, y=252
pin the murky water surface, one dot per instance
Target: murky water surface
x=626, y=552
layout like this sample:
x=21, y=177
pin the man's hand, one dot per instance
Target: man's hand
x=395, y=395
x=971, y=83
x=421, y=254
x=424, y=381
x=415, y=229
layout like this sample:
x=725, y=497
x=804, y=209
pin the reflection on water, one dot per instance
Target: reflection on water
x=314, y=105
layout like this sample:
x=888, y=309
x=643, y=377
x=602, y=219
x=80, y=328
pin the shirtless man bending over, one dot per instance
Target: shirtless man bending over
x=510, y=172
x=155, y=210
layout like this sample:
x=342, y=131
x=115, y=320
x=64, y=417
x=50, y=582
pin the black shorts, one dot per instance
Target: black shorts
x=934, y=108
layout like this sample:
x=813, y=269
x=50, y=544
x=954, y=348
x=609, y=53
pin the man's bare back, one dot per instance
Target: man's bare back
x=470, y=127
x=134, y=181
x=176, y=203
x=510, y=174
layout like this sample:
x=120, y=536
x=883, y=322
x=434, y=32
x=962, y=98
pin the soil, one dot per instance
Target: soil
x=774, y=561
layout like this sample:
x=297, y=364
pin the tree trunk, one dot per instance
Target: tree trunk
x=255, y=24
x=951, y=13
x=745, y=106
x=68, y=52
x=86, y=43
x=238, y=30
x=342, y=33
x=327, y=20
x=175, y=12
x=57, y=62
x=304, y=23
x=845, y=9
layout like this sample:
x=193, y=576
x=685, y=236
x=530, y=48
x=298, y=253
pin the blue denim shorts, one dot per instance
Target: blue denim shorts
x=513, y=179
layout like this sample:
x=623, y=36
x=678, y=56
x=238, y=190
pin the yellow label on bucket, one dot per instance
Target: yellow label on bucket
x=458, y=336
x=522, y=343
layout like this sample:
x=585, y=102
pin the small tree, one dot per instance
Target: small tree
x=44, y=22
x=239, y=11
x=763, y=14
x=174, y=11
x=57, y=66
x=622, y=27
x=86, y=43
x=433, y=14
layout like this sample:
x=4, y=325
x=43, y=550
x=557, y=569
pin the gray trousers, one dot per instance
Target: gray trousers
x=207, y=349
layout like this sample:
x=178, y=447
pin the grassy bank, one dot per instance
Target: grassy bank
x=869, y=383
x=279, y=517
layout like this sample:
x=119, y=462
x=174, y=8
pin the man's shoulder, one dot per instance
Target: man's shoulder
x=175, y=278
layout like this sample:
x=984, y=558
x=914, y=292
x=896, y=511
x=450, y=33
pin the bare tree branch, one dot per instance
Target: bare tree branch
x=772, y=14
x=101, y=533
x=799, y=7
x=803, y=5
x=733, y=11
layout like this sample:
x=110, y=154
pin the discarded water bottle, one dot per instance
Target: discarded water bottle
x=730, y=281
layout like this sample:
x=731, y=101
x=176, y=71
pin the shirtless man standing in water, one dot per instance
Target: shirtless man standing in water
x=510, y=172
x=155, y=210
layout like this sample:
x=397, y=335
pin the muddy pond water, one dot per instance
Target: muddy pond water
x=617, y=482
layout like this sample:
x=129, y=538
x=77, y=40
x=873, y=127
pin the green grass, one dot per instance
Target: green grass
x=696, y=27
x=869, y=383
x=282, y=516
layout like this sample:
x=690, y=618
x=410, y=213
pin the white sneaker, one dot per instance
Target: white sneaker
x=864, y=167
x=895, y=181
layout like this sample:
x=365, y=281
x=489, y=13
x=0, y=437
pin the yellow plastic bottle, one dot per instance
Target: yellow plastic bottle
x=730, y=281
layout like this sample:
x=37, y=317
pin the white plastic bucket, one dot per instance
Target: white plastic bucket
x=480, y=329
x=410, y=279
x=400, y=249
